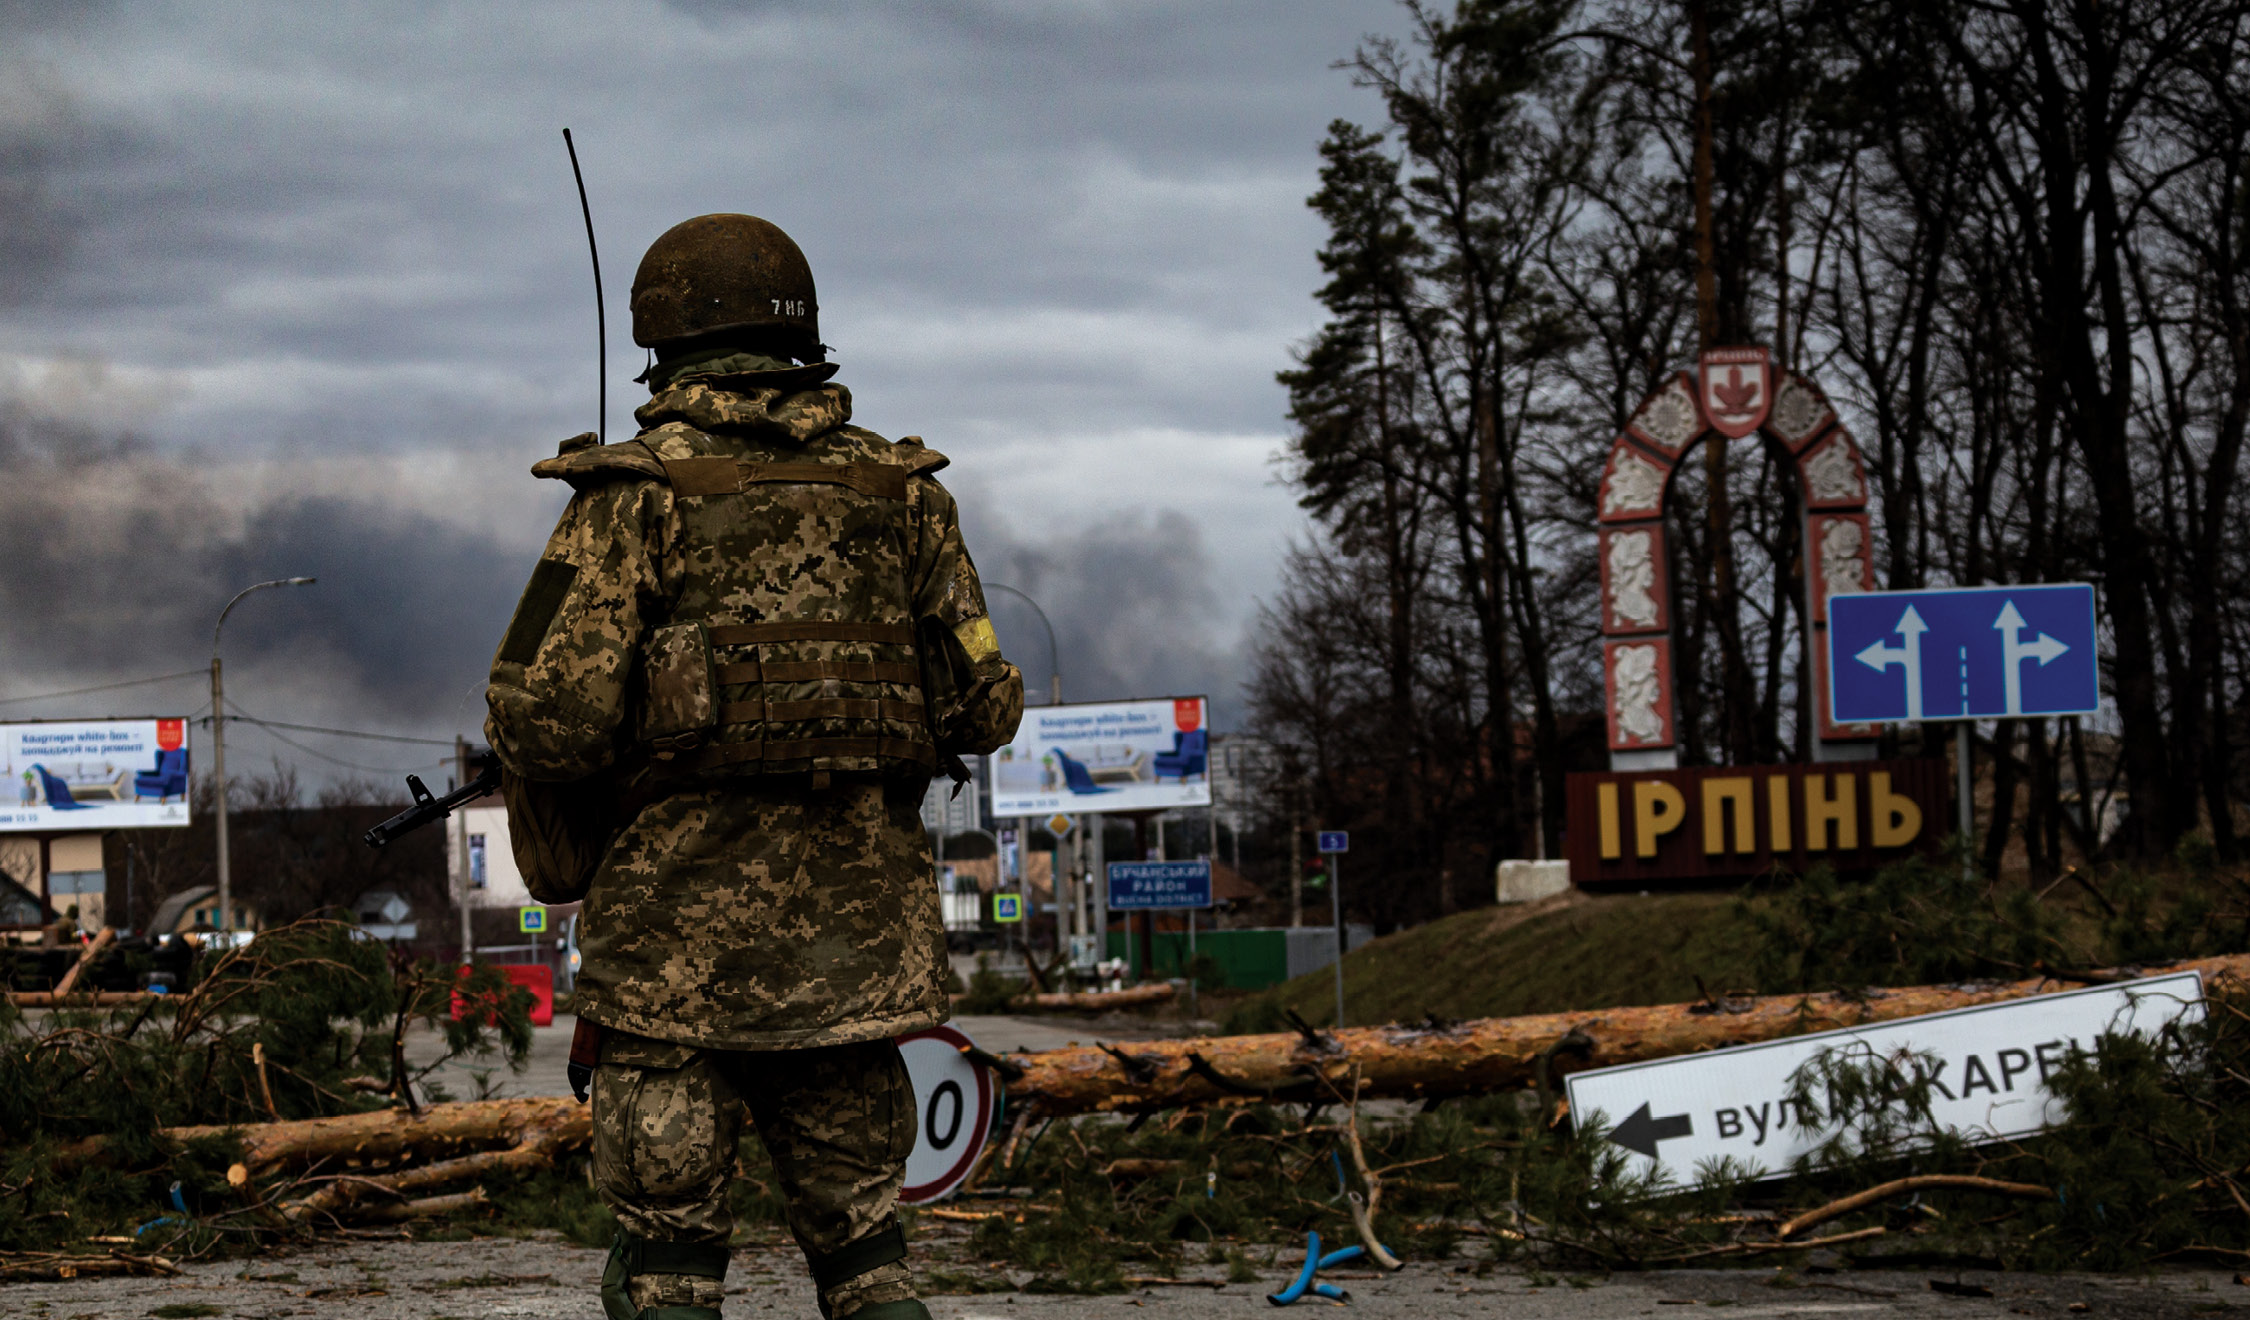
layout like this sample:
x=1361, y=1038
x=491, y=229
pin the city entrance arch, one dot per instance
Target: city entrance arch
x=1732, y=393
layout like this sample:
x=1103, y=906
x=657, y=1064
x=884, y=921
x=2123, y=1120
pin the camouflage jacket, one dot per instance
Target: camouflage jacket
x=763, y=911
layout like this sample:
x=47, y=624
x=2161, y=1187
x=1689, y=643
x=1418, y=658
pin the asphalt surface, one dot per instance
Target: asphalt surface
x=372, y=1280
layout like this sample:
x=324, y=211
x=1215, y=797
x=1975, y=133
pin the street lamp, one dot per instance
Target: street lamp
x=1054, y=657
x=219, y=743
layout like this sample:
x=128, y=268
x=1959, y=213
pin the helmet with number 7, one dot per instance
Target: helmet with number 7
x=733, y=275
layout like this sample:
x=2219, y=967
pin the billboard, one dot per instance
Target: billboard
x=66, y=775
x=1114, y=756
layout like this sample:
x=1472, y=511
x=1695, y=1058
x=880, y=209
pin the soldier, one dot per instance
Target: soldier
x=751, y=640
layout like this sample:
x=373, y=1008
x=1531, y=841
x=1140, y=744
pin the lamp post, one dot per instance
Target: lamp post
x=219, y=743
x=1054, y=657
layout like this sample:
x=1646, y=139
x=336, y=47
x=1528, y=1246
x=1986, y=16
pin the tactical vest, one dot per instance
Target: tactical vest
x=790, y=645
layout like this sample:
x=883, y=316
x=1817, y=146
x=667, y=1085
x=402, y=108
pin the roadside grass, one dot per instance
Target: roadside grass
x=1577, y=951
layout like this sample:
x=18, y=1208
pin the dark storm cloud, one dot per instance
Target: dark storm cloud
x=1133, y=607
x=336, y=254
x=120, y=558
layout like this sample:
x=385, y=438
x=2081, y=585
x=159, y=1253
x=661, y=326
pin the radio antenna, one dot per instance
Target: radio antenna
x=601, y=319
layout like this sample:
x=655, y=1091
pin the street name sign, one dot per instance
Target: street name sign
x=1136, y=886
x=1964, y=653
x=954, y=1100
x=1334, y=841
x=1987, y=1067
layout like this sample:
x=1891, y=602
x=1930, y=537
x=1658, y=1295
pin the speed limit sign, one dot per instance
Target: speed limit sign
x=954, y=1101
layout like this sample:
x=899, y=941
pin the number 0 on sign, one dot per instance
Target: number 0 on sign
x=954, y=1101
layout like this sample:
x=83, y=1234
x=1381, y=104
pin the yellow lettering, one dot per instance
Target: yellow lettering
x=1605, y=797
x=1897, y=819
x=1831, y=812
x=1778, y=814
x=1658, y=810
x=1719, y=794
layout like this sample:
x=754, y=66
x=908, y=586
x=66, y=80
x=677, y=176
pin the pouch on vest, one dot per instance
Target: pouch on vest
x=681, y=707
x=559, y=833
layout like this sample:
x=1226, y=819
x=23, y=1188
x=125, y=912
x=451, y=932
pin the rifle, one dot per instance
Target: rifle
x=428, y=809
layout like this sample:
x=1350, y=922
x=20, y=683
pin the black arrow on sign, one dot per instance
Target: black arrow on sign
x=1641, y=1133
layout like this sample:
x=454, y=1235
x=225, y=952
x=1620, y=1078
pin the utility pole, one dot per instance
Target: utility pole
x=219, y=743
x=460, y=832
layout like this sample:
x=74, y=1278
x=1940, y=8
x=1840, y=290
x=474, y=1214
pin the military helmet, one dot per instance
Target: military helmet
x=726, y=272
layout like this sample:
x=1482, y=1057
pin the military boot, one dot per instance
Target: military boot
x=867, y=1280
x=679, y=1280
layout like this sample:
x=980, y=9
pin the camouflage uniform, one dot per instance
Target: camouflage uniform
x=769, y=889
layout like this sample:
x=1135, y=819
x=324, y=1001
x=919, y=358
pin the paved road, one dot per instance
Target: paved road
x=467, y=1079
x=543, y=1279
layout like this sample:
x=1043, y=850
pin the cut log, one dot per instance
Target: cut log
x=86, y=958
x=1469, y=1058
x=1095, y=1001
x=388, y=1134
x=362, y=1198
x=471, y=1199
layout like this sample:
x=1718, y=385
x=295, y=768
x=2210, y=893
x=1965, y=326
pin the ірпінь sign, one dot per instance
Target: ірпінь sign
x=1150, y=885
x=1986, y=1066
x=1962, y=653
x=1634, y=829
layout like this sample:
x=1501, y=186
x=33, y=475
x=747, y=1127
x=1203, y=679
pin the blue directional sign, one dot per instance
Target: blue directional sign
x=1159, y=885
x=1967, y=653
x=1334, y=841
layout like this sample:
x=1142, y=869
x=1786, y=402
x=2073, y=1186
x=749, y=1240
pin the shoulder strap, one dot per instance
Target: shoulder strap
x=920, y=459
x=584, y=464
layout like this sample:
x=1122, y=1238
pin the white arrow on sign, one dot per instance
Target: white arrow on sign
x=1909, y=654
x=2015, y=651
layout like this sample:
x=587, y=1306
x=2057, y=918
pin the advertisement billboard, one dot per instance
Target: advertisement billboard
x=1114, y=756
x=67, y=775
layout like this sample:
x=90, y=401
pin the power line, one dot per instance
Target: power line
x=337, y=760
x=340, y=733
x=106, y=687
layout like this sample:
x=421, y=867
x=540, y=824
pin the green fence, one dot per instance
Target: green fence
x=1251, y=959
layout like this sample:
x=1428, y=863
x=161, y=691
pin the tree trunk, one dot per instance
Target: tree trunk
x=1467, y=1058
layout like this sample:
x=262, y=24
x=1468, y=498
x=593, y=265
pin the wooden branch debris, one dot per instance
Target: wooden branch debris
x=1860, y=1200
x=50, y=1266
x=1468, y=1058
x=1097, y=1001
x=389, y=1134
x=86, y=958
x=89, y=999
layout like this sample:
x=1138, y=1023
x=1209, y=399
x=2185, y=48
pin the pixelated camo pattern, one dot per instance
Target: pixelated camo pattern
x=837, y=1123
x=747, y=913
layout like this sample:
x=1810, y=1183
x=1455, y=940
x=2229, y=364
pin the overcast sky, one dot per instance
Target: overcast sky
x=292, y=289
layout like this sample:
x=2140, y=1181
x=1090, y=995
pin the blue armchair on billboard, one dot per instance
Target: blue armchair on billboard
x=169, y=777
x=1076, y=776
x=1190, y=755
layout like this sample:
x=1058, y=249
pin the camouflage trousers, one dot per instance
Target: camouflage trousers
x=838, y=1122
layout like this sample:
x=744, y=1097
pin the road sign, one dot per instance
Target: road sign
x=1334, y=841
x=1058, y=824
x=1007, y=908
x=531, y=920
x=1962, y=653
x=1987, y=1076
x=1145, y=885
x=954, y=1101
